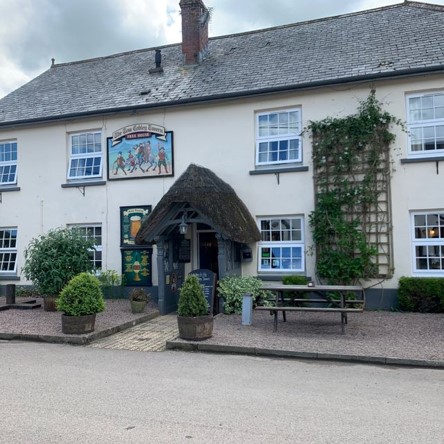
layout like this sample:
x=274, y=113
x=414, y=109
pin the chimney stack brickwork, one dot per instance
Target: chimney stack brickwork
x=195, y=18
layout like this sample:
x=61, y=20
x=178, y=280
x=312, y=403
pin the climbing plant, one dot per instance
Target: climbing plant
x=351, y=222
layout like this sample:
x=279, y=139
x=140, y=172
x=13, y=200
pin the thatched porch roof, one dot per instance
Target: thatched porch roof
x=202, y=196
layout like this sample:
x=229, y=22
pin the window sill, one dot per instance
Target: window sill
x=5, y=277
x=276, y=170
x=83, y=184
x=6, y=189
x=423, y=159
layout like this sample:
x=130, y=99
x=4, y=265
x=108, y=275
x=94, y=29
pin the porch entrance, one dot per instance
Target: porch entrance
x=208, y=251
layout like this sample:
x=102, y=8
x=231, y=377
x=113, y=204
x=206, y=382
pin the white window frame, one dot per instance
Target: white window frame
x=290, y=239
x=6, y=165
x=425, y=123
x=432, y=244
x=84, y=154
x=85, y=231
x=273, y=132
x=8, y=252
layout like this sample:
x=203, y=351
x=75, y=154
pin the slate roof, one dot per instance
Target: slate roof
x=395, y=40
x=213, y=199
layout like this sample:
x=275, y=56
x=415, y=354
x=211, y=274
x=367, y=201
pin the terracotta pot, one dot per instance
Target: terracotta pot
x=138, y=306
x=49, y=303
x=195, y=329
x=77, y=325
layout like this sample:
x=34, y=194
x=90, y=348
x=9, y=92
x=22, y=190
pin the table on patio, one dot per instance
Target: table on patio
x=343, y=304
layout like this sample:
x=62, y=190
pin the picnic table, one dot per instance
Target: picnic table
x=342, y=299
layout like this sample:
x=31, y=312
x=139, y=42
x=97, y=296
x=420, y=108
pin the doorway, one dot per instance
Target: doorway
x=208, y=251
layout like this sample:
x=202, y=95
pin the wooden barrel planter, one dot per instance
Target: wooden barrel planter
x=195, y=328
x=77, y=325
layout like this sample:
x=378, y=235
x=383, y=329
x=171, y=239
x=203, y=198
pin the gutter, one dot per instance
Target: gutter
x=229, y=96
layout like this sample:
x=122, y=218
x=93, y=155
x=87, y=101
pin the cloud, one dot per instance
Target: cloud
x=34, y=31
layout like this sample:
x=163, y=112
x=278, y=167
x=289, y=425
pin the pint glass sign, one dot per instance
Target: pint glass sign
x=131, y=219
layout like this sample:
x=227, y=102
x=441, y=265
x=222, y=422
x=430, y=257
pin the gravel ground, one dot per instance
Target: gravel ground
x=40, y=322
x=372, y=333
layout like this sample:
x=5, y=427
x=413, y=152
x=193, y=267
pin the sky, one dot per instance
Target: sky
x=35, y=31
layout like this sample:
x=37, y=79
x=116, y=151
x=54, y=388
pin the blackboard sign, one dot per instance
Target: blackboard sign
x=208, y=279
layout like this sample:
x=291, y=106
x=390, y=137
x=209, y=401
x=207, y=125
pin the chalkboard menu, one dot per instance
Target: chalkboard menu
x=208, y=279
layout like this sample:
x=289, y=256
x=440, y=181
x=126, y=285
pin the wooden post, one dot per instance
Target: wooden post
x=10, y=294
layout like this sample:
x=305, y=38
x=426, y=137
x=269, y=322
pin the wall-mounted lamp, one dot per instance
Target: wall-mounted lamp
x=183, y=226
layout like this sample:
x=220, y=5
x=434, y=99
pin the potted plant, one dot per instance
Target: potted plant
x=139, y=298
x=193, y=320
x=52, y=259
x=79, y=301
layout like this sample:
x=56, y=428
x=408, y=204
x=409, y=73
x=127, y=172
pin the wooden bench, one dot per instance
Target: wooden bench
x=341, y=305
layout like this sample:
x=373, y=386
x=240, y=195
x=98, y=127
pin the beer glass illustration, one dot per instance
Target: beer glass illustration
x=135, y=224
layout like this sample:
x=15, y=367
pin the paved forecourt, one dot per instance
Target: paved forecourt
x=148, y=336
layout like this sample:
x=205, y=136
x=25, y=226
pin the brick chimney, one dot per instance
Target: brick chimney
x=195, y=18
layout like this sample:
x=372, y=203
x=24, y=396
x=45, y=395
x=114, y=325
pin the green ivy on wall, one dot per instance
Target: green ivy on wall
x=351, y=223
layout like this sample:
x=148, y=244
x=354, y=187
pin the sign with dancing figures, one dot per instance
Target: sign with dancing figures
x=140, y=151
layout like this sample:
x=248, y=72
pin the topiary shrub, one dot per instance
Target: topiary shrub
x=192, y=300
x=54, y=258
x=425, y=295
x=233, y=289
x=81, y=296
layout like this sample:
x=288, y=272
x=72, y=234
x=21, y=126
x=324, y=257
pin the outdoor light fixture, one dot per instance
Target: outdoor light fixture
x=183, y=226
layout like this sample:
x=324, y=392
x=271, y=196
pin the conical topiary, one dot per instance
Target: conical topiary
x=192, y=300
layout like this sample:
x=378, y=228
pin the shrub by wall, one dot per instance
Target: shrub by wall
x=425, y=295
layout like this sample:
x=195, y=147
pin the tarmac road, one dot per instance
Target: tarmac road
x=53, y=393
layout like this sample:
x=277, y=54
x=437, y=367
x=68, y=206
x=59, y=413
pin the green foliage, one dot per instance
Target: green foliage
x=110, y=278
x=81, y=296
x=52, y=259
x=26, y=291
x=425, y=295
x=233, y=289
x=192, y=300
x=139, y=295
x=351, y=159
x=295, y=280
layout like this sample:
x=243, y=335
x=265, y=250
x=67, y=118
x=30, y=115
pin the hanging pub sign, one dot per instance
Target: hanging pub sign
x=140, y=151
x=136, y=267
x=131, y=219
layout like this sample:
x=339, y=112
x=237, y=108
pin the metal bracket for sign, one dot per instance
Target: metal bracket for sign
x=277, y=177
x=1, y=198
x=82, y=190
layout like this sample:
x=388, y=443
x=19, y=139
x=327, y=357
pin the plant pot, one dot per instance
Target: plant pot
x=49, y=303
x=77, y=325
x=195, y=329
x=138, y=306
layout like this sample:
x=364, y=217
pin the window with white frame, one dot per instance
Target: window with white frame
x=92, y=232
x=86, y=157
x=428, y=242
x=278, y=137
x=8, y=163
x=426, y=124
x=281, y=248
x=8, y=250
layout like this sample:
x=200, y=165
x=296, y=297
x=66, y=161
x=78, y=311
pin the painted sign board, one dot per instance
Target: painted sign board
x=207, y=279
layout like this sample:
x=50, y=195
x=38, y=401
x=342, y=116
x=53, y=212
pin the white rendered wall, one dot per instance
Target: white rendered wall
x=221, y=137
